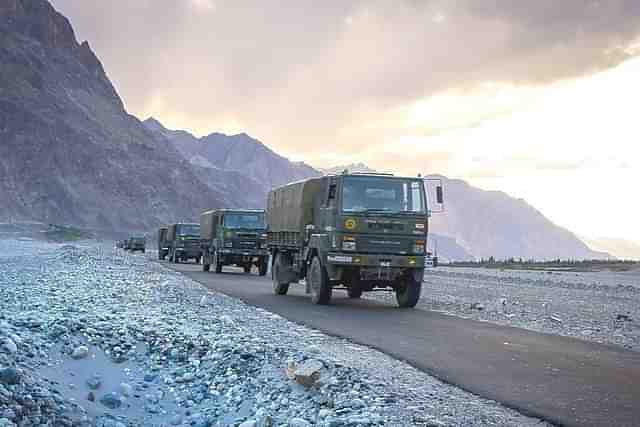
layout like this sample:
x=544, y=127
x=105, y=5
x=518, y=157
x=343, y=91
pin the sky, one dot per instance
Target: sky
x=532, y=98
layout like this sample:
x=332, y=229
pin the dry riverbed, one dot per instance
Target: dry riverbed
x=602, y=307
x=90, y=336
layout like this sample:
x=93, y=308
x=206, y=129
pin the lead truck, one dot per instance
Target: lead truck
x=356, y=232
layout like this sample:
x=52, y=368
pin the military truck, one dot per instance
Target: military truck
x=184, y=242
x=137, y=243
x=163, y=243
x=357, y=232
x=234, y=237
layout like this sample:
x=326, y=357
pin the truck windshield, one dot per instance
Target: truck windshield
x=249, y=221
x=382, y=194
x=191, y=230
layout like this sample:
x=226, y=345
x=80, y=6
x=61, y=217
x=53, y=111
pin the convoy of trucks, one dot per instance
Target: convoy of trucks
x=353, y=232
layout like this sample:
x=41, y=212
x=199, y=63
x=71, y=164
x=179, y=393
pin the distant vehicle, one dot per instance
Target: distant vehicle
x=137, y=243
x=183, y=240
x=163, y=243
x=234, y=237
x=358, y=232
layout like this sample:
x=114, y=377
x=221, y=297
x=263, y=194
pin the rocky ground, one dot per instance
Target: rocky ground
x=602, y=307
x=94, y=337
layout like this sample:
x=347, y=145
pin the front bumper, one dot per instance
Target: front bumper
x=188, y=252
x=375, y=260
x=242, y=252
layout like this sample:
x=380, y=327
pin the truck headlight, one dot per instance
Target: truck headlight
x=228, y=244
x=348, y=245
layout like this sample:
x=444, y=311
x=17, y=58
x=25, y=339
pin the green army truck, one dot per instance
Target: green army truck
x=234, y=237
x=357, y=232
x=163, y=243
x=183, y=241
x=137, y=243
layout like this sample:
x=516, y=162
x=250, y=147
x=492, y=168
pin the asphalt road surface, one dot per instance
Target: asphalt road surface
x=565, y=381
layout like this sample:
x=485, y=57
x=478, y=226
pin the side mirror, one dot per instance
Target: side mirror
x=439, y=195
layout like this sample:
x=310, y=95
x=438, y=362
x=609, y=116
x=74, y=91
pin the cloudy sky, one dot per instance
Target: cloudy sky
x=535, y=98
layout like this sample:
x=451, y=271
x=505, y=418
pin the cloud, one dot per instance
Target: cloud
x=307, y=74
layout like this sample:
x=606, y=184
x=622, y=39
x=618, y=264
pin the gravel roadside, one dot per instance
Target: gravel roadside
x=90, y=336
x=602, y=307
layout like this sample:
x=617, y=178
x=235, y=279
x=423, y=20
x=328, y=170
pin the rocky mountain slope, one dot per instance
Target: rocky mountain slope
x=70, y=153
x=241, y=154
x=492, y=223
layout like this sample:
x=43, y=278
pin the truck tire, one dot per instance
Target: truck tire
x=408, y=292
x=319, y=282
x=263, y=267
x=279, y=287
x=354, y=292
x=205, y=266
x=217, y=264
x=247, y=269
x=197, y=260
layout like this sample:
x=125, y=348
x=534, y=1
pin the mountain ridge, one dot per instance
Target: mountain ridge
x=71, y=154
x=239, y=153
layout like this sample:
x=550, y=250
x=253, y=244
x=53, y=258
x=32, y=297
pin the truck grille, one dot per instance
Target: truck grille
x=390, y=226
x=247, y=235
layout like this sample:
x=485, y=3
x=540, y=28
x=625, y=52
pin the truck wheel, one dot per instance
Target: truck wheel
x=217, y=264
x=205, y=266
x=263, y=267
x=279, y=286
x=354, y=292
x=319, y=281
x=197, y=260
x=408, y=292
x=247, y=268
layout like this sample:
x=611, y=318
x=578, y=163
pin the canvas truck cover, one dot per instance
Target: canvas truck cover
x=162, y=233
x=208, y=222
x=290, y=208
x=171, y=232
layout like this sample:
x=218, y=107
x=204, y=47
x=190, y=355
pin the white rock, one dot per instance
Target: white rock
x=308, y=373
x=8, y=346
x=324, y=413
x=80, y=352
x=249, y=423
x=126, y=390
x=299, y=422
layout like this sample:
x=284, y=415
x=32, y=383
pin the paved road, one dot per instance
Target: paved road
x=562, y=380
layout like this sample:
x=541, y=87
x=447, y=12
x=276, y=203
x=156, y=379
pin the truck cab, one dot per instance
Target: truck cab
x=234, y=237
x=138, y=243
x=183, y=240
x=357, y=232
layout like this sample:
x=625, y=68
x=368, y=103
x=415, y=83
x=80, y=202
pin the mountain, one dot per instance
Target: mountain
x=69, y=152
x=240, y=154
x=619, y=248
x=492, y=223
